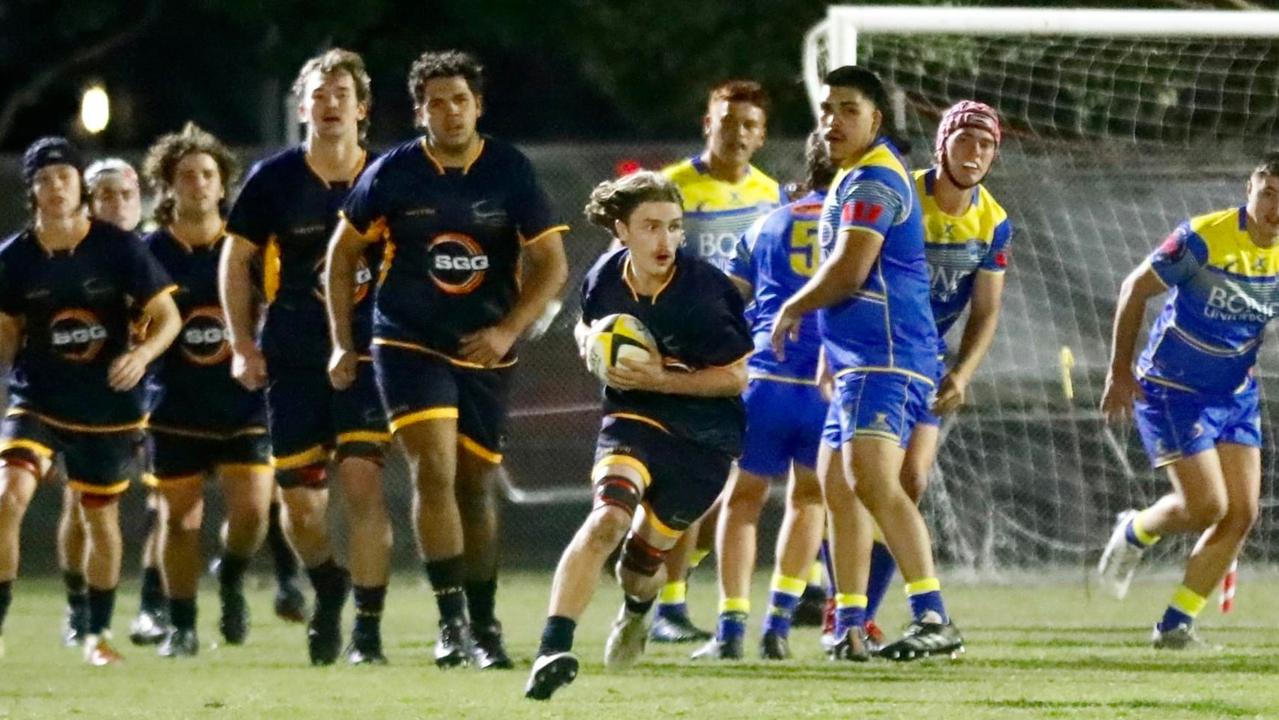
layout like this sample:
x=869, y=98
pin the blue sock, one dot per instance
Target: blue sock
x=1174, y=617
x=882, y=569
x=672, y=611
x=925, y=597
x=850, y=612
x=732, y=626
x=783, y=598
x=1185, y=605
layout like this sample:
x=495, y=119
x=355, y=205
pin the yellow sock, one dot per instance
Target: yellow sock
x=816, y=574
x=673, y=593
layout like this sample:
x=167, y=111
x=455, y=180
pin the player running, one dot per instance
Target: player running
x=205, y=423
x=723, y=195
x=881, y=345
x=966, y=241
x=461, y=214
x=672, y=425
x=114, y=197
x=1193, y=394
x=67, y=288
x=284, y=215
x=785, y=412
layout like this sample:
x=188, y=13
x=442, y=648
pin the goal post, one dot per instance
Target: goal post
x=1119, y=124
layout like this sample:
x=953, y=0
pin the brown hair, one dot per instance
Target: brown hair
x=614, y=200
x=339, y=60
x=747, y=91
x=164, y=155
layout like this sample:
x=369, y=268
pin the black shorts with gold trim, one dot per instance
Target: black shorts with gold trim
x=683, y=478
x=181, y=454
x=418, y=384
x=308, y=419
x=99, y=460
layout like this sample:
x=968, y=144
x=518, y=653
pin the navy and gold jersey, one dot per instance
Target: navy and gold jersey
x=887, y=326
x=75, y=307
x=777, y=255
x=696, y=319
x=1223, y=289
x=716, y=213
x=194, y=375
x=453, y=241
x=959, y=246
x=290, y=212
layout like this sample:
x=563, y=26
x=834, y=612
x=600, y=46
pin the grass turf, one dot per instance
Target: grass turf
x=1035, y=650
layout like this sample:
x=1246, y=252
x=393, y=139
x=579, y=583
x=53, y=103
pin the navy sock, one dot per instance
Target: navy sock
x=481, y=599
x=182, y=613
x=101, y=608
x=557, y=636
x=446, y=580
x=882, y=569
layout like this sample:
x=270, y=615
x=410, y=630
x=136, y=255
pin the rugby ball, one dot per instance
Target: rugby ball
x=614, y=337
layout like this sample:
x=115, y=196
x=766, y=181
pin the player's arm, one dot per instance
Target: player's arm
x=162, y=320
x=1121, y=382
x=545, y=272
x=235, y=288
x=580, y=333
x=842, y=275
x=10, y=339
x=979, y=334
x=345, y=249
x=650, y=375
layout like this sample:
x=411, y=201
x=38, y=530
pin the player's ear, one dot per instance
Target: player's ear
x=878, y=119
x=621, y=232
x=479, y=106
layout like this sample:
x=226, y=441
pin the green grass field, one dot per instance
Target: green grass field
x=1043, y=650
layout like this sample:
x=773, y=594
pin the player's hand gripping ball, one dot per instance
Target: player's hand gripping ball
x=614, y=337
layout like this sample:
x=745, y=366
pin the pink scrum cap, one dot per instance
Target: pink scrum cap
x=966, y=114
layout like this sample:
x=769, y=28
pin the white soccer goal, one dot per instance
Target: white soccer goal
x=1118, y=125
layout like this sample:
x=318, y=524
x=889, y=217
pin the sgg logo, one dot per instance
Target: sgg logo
x=205, y=340
x=458, y=263
x=363, y=280
x=77, y=335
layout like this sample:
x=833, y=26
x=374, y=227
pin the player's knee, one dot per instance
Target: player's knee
x=838, y=496
x=363, y=496
x=182, y=513
x=640, y=557
x=605, y=528
x=1239, y=519
x=305, y=508
x=1206, y=511
x=914, y=482
x=18, y=466
x=803, y=493
x=748, y=495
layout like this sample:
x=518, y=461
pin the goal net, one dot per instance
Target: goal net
x=1118, y=125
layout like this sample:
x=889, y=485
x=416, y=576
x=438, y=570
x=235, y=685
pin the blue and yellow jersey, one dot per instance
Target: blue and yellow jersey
x=290, y=212
x=454, y=237
x=696, y=319
x=75, y=307
x=887, y=325
x=194, y=374
x=716, y=213
x=777, y=255
x=1223, y=289
x=960, y=246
